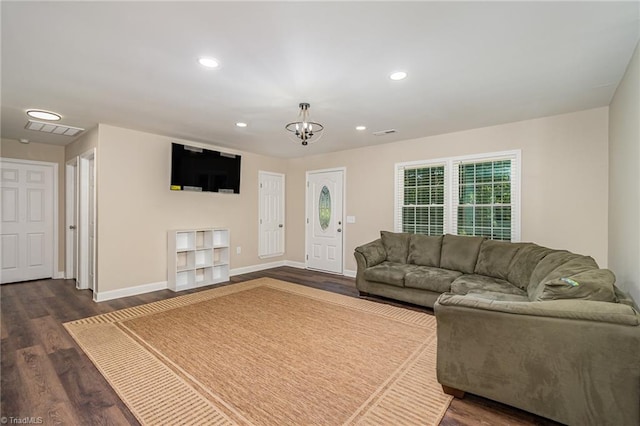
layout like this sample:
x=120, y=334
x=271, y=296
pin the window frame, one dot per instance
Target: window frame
x=451, y=187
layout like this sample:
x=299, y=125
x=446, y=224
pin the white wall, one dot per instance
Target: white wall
x=564, y=181
x=624, y=180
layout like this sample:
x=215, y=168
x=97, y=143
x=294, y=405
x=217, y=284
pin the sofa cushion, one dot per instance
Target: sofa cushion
x=593, y=284
x=373, y=252
x=558, y=265
x=578, y=277
x=547, y=264
x=460, y=253
x=432, y=279
x=497, y=296
x=425, y=250
x=388, y=273
x=524, y=262
x=495, y=257
x=467, y=283
x=397, y=245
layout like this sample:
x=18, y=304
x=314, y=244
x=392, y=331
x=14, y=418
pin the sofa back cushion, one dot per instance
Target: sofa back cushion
x=424, y=250
x=547, y=264
x=460, y=253
x=591, y=284
x=397, y=246
x=573, y=276
x=524, y=262
x=495, y=257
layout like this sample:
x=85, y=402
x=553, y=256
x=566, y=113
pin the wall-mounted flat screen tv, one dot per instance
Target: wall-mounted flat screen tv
x=199, y=169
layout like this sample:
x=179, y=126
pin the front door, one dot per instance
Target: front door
x=324, y=220
x=26, y=193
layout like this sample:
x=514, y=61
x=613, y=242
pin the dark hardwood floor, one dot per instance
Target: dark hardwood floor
x=46, y=377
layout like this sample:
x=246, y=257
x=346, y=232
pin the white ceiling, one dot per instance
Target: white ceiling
x=134, y=65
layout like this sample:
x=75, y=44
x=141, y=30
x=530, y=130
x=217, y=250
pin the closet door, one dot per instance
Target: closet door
x=271, y=214
x=26, y=218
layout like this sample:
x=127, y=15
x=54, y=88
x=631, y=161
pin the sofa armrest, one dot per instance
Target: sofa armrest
x=373, y=253
x=587, y=310
x=541, y=358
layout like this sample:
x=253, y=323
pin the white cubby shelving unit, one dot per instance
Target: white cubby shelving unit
x=197, y=258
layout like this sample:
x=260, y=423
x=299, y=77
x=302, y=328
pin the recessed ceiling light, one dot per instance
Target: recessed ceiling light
x=208, y=62
x=361, y=128
x=43, y=115
x=241, y=124
x=398, y=75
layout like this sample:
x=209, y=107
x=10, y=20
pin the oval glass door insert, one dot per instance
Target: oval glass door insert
x=324, y=208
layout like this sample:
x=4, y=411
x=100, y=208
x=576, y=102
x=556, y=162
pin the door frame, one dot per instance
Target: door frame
x=54, y=193
x=306, y=211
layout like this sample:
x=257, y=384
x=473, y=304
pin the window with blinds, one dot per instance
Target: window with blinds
x=423, y=200
x=474, y=195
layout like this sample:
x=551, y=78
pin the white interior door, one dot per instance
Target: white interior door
x=91, y=258
x=26, y=215
x=71, y=234
x=325, y=220
x=86, y=221
x=271, y=226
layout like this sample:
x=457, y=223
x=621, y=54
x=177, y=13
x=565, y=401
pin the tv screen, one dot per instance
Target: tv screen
x=199, y=169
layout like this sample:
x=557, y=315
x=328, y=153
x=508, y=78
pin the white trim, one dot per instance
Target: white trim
x=342, y=169
x=55, y=225
x=58, y=275
x=129, y=291
x=291, y=263
x=349, y=273
x=162, y=285
x=270, y=256
x=255, y=268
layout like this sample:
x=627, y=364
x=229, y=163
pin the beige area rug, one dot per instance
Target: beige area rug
x=268, y=352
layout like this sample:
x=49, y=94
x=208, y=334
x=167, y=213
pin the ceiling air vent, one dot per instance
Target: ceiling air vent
x=56, y=129
x=384, y=132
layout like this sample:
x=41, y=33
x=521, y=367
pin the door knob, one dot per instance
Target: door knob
x=339, y=230
x=72, y=227
x=280, y=226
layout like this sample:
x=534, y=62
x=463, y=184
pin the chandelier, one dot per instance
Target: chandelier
x=305, y=130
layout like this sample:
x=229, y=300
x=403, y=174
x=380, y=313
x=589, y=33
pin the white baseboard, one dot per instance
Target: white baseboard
x=129, y=291
x=162, y=285
x=58, y=275
x=255, y=268
x=299, y=265
x=349, y=273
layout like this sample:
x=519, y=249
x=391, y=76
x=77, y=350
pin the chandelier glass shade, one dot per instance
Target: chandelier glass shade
x=305, y=131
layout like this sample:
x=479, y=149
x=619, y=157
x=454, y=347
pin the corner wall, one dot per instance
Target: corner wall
x=624, y=180
x=136, y=208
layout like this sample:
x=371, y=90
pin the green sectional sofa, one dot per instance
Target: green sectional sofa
x=543, y=330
